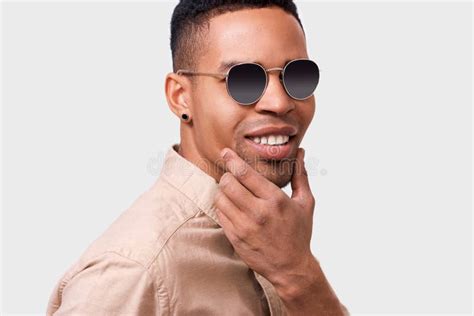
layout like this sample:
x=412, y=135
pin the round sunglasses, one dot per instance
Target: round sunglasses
x=246, y=82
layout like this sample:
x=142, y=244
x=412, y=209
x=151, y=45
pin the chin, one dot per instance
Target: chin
x=281, y=182
x=277, y=171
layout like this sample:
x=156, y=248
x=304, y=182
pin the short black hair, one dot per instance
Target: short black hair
x=190, y=17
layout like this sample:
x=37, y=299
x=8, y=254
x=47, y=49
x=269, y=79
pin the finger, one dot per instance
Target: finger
x=237, y=193
x=227, y=227
x=249, y=177
x=225, y=205
x=301, y=191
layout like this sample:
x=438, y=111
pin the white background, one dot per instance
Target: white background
x=85, y=124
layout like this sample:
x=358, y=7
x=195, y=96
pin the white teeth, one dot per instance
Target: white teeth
x=279, y=139
x=271, y=139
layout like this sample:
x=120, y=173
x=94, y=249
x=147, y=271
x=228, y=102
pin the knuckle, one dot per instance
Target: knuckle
x=225, y=182
x=219, y=197
x=240, y=236
x=310, y=201
x=272, y=204
x=260, y=219
x=254, y=248
x=234, y=239
x=278, y=201
x=246, y=231
x=242, y=171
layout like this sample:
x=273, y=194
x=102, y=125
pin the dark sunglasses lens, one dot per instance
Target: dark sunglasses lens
x=246, y=83
x=301, y=78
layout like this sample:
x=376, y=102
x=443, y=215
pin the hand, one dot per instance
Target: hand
x=270, y=231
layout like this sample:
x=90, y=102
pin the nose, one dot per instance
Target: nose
x=275, y=99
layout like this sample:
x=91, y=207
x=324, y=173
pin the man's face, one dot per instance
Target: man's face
x=270, y=37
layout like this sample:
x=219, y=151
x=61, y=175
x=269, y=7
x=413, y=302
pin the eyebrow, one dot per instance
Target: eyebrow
x=225, y=65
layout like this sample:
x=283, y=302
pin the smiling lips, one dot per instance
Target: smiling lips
x=272, y=142
x=271, y=139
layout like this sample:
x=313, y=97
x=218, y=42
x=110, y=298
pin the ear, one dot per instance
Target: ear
x=178, y=91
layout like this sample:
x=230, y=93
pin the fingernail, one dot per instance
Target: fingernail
x=225, y=153
x=303, y=151
x=223, y=179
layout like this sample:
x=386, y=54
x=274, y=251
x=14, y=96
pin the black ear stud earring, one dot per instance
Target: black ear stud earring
x=185, y=117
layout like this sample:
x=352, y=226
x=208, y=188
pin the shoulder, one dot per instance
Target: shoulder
x=144, y=227
x=117, y=263
x=108, y=283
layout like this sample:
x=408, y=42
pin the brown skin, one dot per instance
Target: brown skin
x=217, y=120
x=277, y=247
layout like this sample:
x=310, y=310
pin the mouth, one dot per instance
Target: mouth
x=270, y=140
x=272, y=143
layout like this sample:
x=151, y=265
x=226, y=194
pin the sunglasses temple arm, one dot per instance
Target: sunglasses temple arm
x=193, y=73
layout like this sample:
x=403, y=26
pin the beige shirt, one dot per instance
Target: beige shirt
x=165, y=255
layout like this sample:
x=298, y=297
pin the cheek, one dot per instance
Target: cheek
x=225, y=119
x=307, y=111
x=216, y=119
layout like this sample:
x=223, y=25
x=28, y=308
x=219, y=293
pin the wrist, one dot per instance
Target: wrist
x=306, y=291
x=294, y=285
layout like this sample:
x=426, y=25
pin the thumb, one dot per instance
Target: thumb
x=299, y=181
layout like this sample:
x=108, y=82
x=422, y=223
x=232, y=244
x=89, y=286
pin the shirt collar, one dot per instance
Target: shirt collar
x=190, y=180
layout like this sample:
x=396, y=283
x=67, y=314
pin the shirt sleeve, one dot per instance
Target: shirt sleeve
x=110, y=284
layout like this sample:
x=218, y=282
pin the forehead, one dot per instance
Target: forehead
x=268, y=36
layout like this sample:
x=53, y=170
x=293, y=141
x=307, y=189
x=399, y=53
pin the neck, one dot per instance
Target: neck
x=190, y=151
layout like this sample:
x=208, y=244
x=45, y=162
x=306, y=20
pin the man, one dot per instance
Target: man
x=215, y=234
